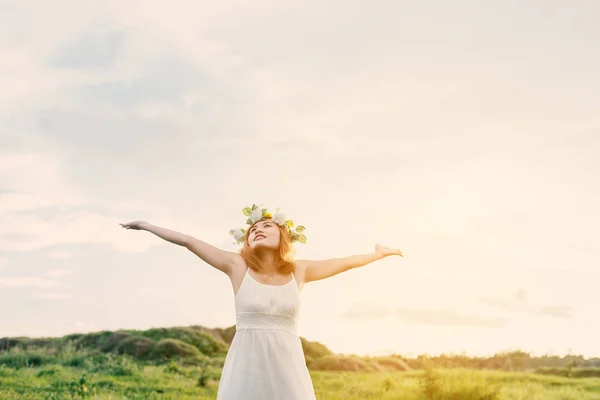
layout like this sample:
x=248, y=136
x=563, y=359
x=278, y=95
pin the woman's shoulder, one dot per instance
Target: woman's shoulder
x=238, y=264
x=300, y=269
x=300, y=264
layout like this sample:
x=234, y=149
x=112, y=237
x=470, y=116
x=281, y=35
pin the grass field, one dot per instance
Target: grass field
x=128, y=380
x=182, y=363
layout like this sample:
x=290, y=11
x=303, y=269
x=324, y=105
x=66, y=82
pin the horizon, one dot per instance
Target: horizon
x=402, y=355
x=464, y=135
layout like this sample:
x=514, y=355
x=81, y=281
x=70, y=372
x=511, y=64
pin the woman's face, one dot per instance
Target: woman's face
x=264, y=234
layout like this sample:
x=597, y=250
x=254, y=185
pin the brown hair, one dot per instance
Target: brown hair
x=286, y=252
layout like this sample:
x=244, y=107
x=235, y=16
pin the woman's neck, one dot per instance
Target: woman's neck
x=269, y=260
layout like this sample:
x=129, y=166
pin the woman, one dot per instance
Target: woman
x=265, y=360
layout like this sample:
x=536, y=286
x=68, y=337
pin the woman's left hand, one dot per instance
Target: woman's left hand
x=386, y=251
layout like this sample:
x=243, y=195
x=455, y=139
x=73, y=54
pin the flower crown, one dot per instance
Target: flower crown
x=256, y=214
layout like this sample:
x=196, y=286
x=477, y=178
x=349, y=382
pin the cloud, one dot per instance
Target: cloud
x=518, y=303
x=52, y=296
x=59, y=255
x=60, y=272
x=40, y=208
x=94, y=50
x=425, y=316
x=26, y=281
x=3, y=262
x=34, y=181
x=556, y=311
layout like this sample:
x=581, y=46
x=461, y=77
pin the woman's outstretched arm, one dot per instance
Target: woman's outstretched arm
x=321, y=269
x=220, y=259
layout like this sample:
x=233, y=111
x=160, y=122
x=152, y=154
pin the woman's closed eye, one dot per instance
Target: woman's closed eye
x=264, y=226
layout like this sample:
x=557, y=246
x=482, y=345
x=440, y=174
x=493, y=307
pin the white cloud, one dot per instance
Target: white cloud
x=32, y=181
x=41, y=209
x=60, y=272
x=3, y=262
x=425, y=316
x=26, y=281
x=52, y=296
x=59, y=255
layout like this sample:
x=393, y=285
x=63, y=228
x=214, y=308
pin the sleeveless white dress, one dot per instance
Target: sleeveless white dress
x=265, y=360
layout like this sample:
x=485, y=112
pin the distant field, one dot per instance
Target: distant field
x=129, y=381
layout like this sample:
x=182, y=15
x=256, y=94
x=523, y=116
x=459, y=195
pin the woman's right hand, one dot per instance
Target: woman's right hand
x=137, y=225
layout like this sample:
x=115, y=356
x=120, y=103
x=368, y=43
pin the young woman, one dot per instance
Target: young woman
x=265, y=360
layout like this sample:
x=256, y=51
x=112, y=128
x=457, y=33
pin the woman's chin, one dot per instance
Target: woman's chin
x=262, y=245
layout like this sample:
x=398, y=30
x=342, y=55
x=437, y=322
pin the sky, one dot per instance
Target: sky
x=465, y=133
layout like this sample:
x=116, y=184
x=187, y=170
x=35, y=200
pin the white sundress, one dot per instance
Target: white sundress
x=265, y=360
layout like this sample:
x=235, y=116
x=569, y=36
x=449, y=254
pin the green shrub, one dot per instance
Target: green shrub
x=340, y=363
x=113, y=341
x=570, y=372
x=25, y=359
x=94, y=340
x=314, y=349
x=168, y=349
x=6, y=371
x=53, y=371
x=136, y=346
x=390, y=363
x=205, y=343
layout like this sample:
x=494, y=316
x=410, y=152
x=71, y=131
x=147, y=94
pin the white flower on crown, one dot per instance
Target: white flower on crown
x=279, y=218
x=255, y=215
x=238, y=234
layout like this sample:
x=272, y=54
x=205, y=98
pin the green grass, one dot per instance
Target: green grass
x=129, y=380
x=185, y=363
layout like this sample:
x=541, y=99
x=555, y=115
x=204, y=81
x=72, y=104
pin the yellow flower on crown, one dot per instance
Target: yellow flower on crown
x=256, y=213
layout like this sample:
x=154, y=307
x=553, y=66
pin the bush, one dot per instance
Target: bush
x=6, y=371
x=136, y=346
x=340, y=363
x=314, y=349
x=11, y=343
x=117, y=366
x=90, y=341
x=570, y=372
x=225, y=335
x=167, y=349
x=25, y=360
x=208, y=374
x=53, y=371
x=113, y=341
x=390, y=363
x=205, y=343
x=77, y=361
